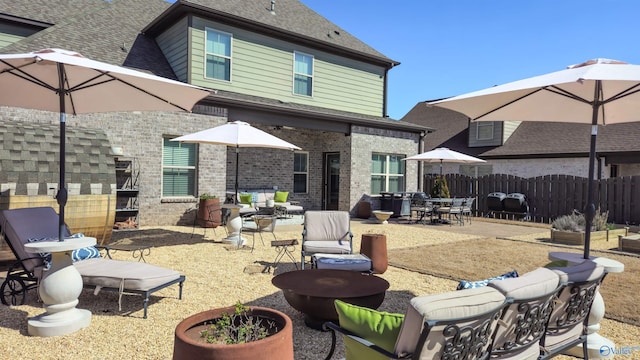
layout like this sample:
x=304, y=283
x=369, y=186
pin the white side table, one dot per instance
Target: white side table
x=59, y=289
x=598, y=346
x=234, y=225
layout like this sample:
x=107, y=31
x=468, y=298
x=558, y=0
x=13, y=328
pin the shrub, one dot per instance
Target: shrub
x=576, y=222
x=438, y=190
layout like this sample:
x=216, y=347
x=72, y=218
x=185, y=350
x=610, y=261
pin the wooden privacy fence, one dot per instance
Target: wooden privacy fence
x=551, y=196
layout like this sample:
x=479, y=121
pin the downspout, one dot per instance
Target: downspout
x=420, y=164
x=384, y=91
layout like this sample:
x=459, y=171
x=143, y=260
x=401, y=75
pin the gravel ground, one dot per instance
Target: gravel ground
x=217, y=275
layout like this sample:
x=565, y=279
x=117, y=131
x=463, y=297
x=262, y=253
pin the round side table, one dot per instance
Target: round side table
x=59, y=289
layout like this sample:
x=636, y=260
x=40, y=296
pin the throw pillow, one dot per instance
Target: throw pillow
x=281, y=196
x=379, y=327
x=245, y=198
x=88, y=252
x=474, y=284
x=46, y=257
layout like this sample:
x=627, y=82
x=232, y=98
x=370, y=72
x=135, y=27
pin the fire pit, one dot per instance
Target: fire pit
x=312, y=292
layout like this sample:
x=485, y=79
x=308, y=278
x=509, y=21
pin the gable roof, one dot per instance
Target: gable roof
x=111, y=31
x=529, y=140
x=290, y=20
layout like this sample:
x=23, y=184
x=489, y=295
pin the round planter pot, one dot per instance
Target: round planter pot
x=209, y=214
x=277, y=346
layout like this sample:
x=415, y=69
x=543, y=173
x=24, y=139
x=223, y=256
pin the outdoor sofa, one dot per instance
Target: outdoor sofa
x=535, y=316
x=252, y=200
x=21, y=226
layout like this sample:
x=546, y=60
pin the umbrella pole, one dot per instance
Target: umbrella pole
x=61, y=196
x=237, y=166
x=591, y=209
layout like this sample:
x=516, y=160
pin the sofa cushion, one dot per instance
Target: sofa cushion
x=464, y=284
x=534, y=283
x=379, y=327
x=281, y=196
x=585, y=271
x=445, y=306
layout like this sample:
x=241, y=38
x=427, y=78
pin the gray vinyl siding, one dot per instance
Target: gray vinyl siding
x=10, y=33
x=509, y=128
x=263, y=66
x=175, y=47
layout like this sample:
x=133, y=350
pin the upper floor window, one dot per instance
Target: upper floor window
x=302, y=74
x=300, y=172
x=218, y=55
x=484, y=130
x=387, y=173
x=178, y=168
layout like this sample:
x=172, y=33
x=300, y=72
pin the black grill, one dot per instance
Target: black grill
x=495, y=201
x=516, y=202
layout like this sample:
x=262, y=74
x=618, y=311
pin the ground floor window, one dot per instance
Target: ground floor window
x=300, y=172
x=387, y=173
x=178, y=169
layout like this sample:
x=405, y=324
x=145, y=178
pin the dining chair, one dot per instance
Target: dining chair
x=263, y=224
x=453, y=211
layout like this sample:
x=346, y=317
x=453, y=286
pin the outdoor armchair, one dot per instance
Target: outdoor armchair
x=326, y=232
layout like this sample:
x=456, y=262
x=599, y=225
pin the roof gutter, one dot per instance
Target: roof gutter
x=381, y=124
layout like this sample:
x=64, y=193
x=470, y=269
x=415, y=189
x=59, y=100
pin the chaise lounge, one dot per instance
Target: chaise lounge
x=19, y=226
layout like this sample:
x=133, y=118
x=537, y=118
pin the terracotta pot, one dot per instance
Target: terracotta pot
x=209, y=214
x=188, y=344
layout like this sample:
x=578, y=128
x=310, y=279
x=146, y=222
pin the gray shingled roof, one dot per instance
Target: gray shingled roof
x=97, y=31
x=290, y=17
x=531, y=139
x=56, y=10
x=29, y=153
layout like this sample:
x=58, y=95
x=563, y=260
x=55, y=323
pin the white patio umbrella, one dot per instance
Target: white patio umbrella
x=597, y=92
x=237, y=134
x=66, y=82
x=442, y=155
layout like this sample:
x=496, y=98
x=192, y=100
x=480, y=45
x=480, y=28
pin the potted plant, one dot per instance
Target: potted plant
x=237, y=332
x=209, y=212
x=569, y=229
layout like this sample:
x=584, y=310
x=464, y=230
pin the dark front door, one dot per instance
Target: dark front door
x=331, y=181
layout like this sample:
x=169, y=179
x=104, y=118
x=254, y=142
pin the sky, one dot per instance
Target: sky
x=451, y=47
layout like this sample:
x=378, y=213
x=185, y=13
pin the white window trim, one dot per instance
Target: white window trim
x=162, y=167
x=294, y=73
x=487, y=124
x=230, y=57
x=388, y=175
x=303, y=172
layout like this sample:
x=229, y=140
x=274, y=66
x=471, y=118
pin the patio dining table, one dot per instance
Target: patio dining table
x=437, y=203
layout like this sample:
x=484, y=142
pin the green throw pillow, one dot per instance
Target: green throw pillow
x=379, y=327
x=245, y=198
x=281, y=196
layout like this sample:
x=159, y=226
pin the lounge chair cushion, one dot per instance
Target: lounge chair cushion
x=464, y=284
x=379, y=327
x=446, y=306
x=135, y=275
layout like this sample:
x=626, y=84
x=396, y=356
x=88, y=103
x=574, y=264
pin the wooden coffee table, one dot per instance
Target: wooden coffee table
x=313, y=291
